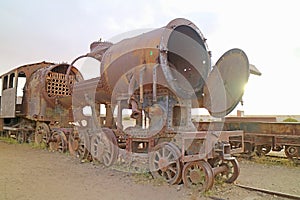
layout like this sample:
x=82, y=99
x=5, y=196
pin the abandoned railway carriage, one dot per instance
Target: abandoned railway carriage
x=36, y=103
x=157, y=78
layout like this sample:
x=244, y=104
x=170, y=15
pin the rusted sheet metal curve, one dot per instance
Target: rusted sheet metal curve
x=187, y=60
x=47, y=88
x=27, y=70
x=225, y=84
x=51, y=82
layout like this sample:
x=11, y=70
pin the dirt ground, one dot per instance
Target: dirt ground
x=28, y=173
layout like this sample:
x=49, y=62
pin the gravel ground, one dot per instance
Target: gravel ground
x=27, y=173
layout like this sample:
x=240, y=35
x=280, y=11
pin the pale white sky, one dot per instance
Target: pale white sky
x=268, y=31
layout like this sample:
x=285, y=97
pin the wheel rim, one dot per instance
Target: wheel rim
x=232, y=172
x=291, y=151
x=96, y=149
x=106, y=151
x=83, y=146
x=165, y=162
x=42, y=133
x=58, y=142
x=73, y=144
x=262, y=150
x=198, y=174
x=109, y=151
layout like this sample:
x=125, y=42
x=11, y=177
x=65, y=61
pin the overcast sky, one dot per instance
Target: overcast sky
x=268, y=31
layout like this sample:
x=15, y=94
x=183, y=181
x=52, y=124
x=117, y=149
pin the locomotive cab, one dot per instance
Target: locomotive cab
x=12, y=89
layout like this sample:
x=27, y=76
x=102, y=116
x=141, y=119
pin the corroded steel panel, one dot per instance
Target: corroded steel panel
x=8, y=103
x=225, y=84
x=1, y=124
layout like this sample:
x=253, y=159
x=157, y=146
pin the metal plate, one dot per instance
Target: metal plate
x=8, y=103
x=225, y=84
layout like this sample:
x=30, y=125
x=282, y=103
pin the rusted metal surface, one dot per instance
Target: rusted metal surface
x=198, y=173
x=157, y=48
x=261, y=137
x=27, y=70
x=1, y=124
x=250, y=119
x=9, y=80
x=48, y=94
x=45, y=88
x=225, y=84
x=9, y=106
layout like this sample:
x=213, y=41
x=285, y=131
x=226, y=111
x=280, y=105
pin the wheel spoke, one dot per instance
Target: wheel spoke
x=158, y=155
x=170, y=156
x=169, y=175
x=172, y=170
x=172, y=162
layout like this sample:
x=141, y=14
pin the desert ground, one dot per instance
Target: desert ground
x=28, y=173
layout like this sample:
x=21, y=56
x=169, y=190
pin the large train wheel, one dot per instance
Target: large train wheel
x=198, y=174
x=41, y=134
x=58, y=142
x=165, y=162
x=104, y=147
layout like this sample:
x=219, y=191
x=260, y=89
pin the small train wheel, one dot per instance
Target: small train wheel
x=42, y=134
x=232, y=172
x=199, y=174
x=58, y=142
x=262, y=150
x=292, y=151
x=164, y=162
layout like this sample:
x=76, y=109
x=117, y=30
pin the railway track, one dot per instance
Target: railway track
x=270, y=192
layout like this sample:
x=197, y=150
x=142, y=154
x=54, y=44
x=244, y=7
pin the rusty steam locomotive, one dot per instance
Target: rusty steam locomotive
x=157, y=77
